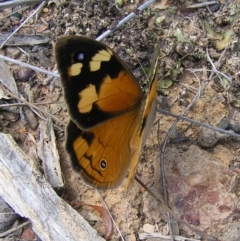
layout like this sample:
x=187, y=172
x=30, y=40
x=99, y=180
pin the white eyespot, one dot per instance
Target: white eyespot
x=80, y=56
x=103, y=164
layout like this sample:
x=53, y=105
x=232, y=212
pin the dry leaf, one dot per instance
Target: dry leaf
x=107, y=221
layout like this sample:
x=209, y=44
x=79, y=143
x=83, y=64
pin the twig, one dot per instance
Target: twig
x=218, y=72
x=170, y=227
x=28, y=18
x=144, y=236
x=200, y=5
x=24, y=52
x=23, y=104
x=212, y=71
x=9, y=4
x=123, y=21
x=189, y=88
x=214, y=128
x=29, y=66
x=39, y=11
x=10, y=14
x=14, y=229
x=32, y=105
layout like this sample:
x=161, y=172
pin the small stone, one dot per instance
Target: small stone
x=13, y=52
x=45, y=10
x=148, y=228
x=25, y=74
x=231, y=232
x=131, y=237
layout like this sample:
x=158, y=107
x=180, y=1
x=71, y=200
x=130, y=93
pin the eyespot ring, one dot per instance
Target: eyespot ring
x=103, y=164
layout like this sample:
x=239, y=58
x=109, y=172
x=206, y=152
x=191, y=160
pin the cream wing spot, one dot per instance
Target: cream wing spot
x=87, y=97
x=75, y=69
x=102, y=55
x=95, y=65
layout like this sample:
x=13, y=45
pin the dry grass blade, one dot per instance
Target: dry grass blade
x=10, y=4
x=14, y=229
x=200, y=5
x=29, y=66
x=26, y=20
x=144, y=236
x=33, y=106
x=6, y=77
x=214, y=128
x=107, y=221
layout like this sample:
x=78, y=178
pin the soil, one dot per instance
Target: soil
x=201, y=166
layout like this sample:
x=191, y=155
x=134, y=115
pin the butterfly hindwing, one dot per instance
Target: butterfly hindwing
x=97, y=84
x=103, y=154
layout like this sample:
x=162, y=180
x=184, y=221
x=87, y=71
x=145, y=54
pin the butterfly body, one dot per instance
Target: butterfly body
x=110, y=116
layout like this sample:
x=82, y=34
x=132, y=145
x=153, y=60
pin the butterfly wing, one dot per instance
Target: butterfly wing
x=148, y=114
x=103, y=154
x=97, y=84
x=110, y=118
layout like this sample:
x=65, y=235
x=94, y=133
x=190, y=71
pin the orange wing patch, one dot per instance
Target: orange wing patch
x=119, y=94
x=115, y=95
x=104, y=146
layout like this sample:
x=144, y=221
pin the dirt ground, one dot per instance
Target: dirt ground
x=201, y=166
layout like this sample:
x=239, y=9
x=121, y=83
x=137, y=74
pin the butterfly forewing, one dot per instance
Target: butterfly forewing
x=97, y=84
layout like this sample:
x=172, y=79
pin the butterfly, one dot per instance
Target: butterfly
x=110, y=116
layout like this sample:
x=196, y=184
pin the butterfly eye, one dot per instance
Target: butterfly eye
x=103, y=164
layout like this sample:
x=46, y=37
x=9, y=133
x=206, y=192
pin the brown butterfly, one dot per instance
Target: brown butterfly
x=110, y=115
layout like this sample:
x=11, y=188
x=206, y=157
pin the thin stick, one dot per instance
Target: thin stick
x=230, y=133
x=9, y=4
x=14, y=229
x=10, y=14
x=123, y=21
x=200, y=5
x=32, y=105
x=55, y=74
x=212, y=71
x=28, y=18
x=23, y=104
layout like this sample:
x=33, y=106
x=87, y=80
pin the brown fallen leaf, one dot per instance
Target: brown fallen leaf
x=28, y=234
x=42, y=28
x=107, y=221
